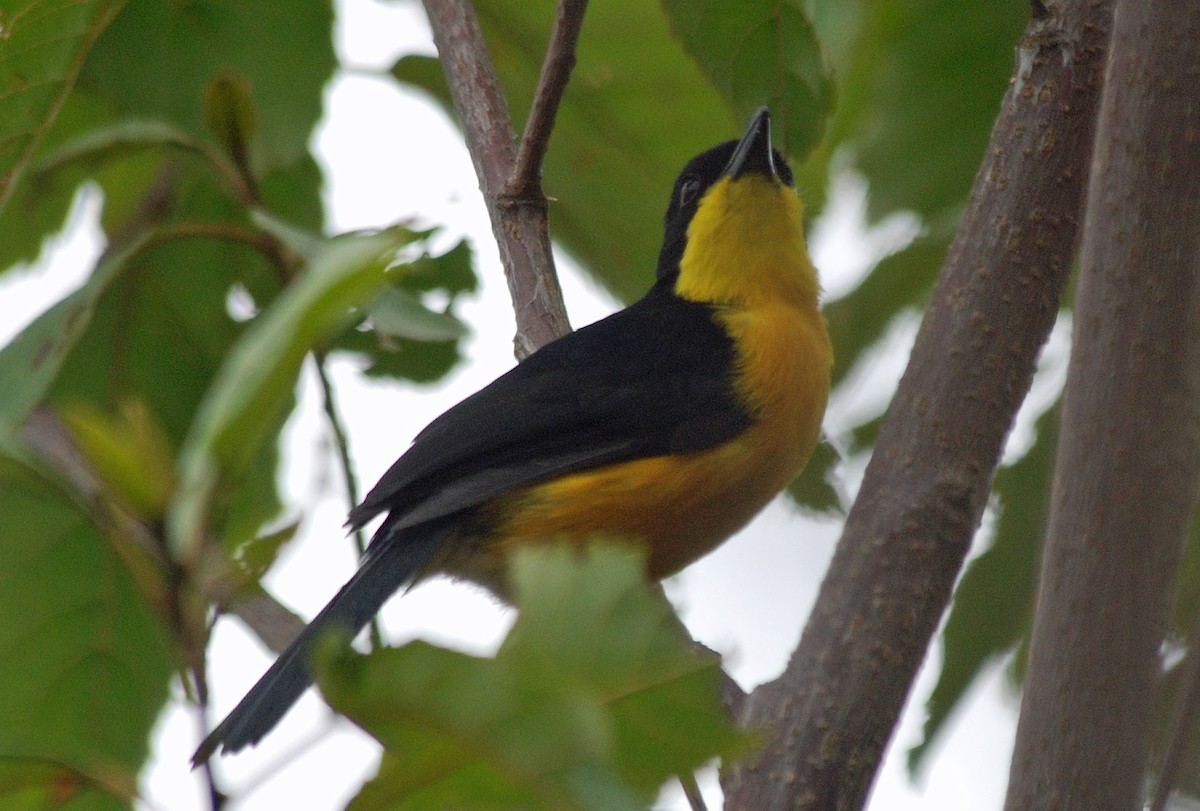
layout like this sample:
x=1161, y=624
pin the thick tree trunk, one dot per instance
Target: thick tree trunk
x=1129, y=451
x=829, y=717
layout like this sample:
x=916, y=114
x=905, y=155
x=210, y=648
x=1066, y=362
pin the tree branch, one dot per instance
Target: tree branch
x=552, y=83
x=518, y=220
x=831, y=713
x=1128, y=468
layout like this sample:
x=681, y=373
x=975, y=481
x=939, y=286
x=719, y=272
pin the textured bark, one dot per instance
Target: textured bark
x=515, y=202
x=829, y=717
x=1128, y=461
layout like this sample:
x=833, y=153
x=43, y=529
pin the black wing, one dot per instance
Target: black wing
x=649, y=380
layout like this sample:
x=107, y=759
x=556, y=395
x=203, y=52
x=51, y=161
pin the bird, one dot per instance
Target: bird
x=669, y=424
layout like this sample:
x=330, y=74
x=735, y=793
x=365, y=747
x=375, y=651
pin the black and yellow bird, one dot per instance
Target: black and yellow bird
x=670, y=423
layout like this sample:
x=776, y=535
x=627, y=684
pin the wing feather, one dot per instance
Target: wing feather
x=616, y=390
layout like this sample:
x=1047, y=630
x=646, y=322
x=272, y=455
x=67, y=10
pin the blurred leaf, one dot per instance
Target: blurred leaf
x=230, y=116
x=994, y=601
x=400, y=358
x=595, y=621
x=760, y=53
x=104, y=143
x=161, y=329
x=257, y=378
x=31, y=362
x=258, y=555
x=899, y=282
x=425, y=349
x=45, y=44
x=863, y=437
x=37, y=785
x=84, y=663
x=424, y=73
x=452, y=271
x=284, y=51
x=593, y=701
x=304, y=242
x=616, y=149
x=920, y=92
x=400, y=315
x=130, y=453
x=812, y=489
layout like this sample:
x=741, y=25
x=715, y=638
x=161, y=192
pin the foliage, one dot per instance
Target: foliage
x=595, y=698
x=210, y=189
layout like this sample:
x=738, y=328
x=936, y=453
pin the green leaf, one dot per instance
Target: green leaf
x=45, y=44
x=400, y=358
x=255, y=385
x=920, y=88
x=84, y=663
x=813, y=488
x=452, y=272
x=36, y=785
x=108, y=142
x=31, y=362
x=399, y=315
x=413, y=342
x=129, y=452
x=230, y=116
x=598, y=623
x=304, y=242
x=994, y=601
x=899, y=282
x=758, y=53
x=258, y=555
x=593, y=701
x=283, y=50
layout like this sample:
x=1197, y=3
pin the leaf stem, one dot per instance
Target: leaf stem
x=342, y=442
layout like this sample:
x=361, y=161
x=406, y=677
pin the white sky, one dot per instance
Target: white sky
x=749, y=599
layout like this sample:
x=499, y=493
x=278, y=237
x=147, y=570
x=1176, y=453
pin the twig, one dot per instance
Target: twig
x=830, y=715
x=518, y=223
x=691, y=791
x=556, y=70
x=329, y=403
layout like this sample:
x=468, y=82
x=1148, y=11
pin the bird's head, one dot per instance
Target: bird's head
x=734, y=227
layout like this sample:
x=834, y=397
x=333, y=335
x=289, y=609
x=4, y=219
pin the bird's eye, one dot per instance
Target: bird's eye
x=688, y=191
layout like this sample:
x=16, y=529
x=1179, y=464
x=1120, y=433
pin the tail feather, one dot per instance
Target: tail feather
x=386, y=567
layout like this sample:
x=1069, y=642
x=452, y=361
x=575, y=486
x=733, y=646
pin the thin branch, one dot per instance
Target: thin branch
x=346, y=464
x=518, y=223
x=272, y=622
x=342, y=441
x=692, y=793
x=552, y=83
x=831, y=714
x=1128, y=466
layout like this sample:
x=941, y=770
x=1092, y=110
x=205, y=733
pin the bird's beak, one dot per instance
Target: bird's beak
x=753, y=153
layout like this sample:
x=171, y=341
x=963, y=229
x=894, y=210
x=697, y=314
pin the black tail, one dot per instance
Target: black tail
x=386, y=567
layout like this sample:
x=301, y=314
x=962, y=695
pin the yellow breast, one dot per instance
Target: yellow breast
x=746, y=256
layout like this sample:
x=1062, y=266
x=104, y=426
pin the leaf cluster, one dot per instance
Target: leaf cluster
x=170, y=399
